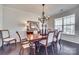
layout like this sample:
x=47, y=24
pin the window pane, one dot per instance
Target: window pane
x=58, y=21
x=64, y=18
x=68, y=29
x=72, y=19
x=65, y=29
x=58, y=27
x=72, y=29
x=68, y=20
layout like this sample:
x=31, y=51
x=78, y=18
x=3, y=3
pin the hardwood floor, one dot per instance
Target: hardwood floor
x=68, y=48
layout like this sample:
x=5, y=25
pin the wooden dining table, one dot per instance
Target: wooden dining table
x=35, y=38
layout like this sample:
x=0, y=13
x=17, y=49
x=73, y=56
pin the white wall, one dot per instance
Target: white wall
x=71, y=38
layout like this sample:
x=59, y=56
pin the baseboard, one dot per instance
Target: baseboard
x=69, y=41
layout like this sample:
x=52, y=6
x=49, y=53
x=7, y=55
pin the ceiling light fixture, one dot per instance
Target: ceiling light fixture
x=43, y=19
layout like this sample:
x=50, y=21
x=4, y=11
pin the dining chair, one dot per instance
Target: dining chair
x=48, y=41
x=57, y=39
x=6, y=39
x=24, y=43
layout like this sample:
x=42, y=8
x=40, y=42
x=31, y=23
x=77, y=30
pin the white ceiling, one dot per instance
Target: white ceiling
x=50, y=9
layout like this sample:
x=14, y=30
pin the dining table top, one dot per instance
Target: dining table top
x=36, y=37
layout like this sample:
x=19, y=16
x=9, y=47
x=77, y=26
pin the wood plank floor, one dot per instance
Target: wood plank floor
x=67, y=48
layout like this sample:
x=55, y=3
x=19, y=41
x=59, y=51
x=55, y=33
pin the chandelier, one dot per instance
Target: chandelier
x=43, y=19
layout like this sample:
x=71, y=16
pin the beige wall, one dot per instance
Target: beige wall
x=13, y=19
x=51, y=23
x=1, y=21
x=1, y=16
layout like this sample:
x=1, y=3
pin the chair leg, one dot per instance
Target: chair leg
x=34, y=51
x=2, y=47
x=52, y=48
x=20, y=51
x=9, y=45
x=46, y=50
x=60, y=46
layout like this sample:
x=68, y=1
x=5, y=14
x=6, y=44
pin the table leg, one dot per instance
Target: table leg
x=37, y=46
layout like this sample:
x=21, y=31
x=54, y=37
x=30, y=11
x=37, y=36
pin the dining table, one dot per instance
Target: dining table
x=35, y=38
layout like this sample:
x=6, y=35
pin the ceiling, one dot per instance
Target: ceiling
x=50, y=9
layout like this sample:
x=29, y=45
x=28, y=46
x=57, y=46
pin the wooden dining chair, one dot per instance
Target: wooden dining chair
x=6, y=39
x=24, y=43
x=48, y=41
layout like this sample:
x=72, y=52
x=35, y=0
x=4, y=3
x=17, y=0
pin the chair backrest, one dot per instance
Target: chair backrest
x=59, y=35
x=18, y=36
x=5, y=34
x=50, y=36
x=56, y=32
x=22, y=35
x=55, y=35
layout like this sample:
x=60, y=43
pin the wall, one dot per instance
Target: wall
x=1, y=13
x=51, y=23
x=1, y=21
x=71, y=38
x=14, y=19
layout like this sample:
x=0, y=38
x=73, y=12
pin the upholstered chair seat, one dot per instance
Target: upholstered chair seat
x=8, y=39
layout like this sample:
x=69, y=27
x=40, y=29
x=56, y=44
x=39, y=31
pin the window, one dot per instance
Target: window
x=58, y=23
x=66, y=24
